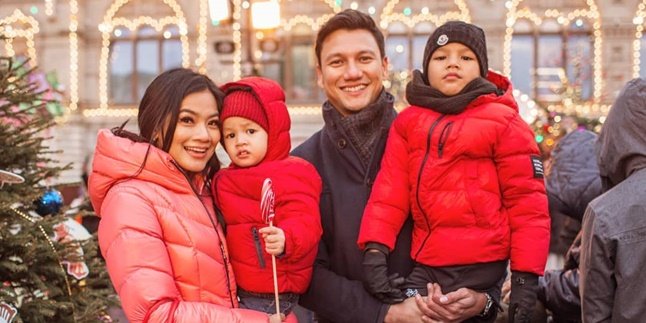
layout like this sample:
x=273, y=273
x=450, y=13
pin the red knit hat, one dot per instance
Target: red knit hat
x=244, y=104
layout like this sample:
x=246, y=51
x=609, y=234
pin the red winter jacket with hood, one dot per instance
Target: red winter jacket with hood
x=297, y=187
x=470, y=183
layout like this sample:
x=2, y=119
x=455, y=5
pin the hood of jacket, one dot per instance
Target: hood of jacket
x=621, y=149
x=504, y=95
x=272, y=99
x=117, y=159
x=573, y=180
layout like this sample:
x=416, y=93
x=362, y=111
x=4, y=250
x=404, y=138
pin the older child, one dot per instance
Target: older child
x=462, y=160
x=255, y=135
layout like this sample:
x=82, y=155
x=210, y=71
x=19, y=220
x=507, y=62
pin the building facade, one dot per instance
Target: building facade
x=98, y=56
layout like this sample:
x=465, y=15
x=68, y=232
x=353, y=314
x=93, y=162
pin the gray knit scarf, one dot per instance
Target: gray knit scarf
x=421, y=94
x=362, y=128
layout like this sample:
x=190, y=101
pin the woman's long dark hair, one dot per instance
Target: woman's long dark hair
x=161, y=103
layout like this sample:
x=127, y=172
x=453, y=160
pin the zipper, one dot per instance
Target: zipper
x=419, y=179
x=227, y=265
x=444, y=137
x=256, y=241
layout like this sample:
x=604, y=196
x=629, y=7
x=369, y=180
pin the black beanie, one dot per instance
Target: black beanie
x=461, y=32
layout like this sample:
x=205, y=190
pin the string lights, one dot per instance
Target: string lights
x=110, y=23
x=11, y=27
x=200, y=62
x=306, y=20
x=564, y=19
x=304, y=110
x=49, y=7
x=74, y=55
x=237, y=39
x=315, y=24
x=388, y=16
x=638, y=21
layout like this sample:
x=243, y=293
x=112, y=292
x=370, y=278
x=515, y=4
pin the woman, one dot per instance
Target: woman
x=159, y=234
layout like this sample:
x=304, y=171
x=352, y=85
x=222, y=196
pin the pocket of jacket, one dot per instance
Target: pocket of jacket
x=482, y=202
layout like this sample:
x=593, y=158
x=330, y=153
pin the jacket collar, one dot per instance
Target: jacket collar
x=118, y=159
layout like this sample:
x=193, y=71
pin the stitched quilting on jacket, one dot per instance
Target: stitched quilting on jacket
x=165, y=258
x=471, y=182
x=297, y=188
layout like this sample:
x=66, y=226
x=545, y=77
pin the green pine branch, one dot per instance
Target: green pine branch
x=31, y=278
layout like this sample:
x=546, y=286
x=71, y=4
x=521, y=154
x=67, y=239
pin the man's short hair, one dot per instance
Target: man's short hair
x=351, y=20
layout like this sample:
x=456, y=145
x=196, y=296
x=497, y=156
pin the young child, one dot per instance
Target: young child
x=255, y=135
x=462, y=160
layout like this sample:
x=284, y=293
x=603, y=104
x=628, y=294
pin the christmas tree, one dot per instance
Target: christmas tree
x=46, y=275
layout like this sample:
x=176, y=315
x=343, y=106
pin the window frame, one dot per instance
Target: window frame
x=565, y=33
x=134, y=38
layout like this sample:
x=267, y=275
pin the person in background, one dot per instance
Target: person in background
x=572, y=182
x=347, y=153
x=159, y=234
x=255, y=135
x=613, y=243
x=464, y=162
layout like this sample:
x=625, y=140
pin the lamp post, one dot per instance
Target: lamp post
x=260, y=15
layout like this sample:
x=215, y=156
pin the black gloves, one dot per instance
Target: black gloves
x=376, y=279
x=524, y=290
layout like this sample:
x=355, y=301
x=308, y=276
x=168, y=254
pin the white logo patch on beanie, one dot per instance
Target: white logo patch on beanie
x=442, y=40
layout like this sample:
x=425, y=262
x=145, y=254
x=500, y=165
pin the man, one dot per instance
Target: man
x=613, y=246
x=347, y=152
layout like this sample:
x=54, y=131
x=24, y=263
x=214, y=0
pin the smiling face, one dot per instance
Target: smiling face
x=452, y=67
x=245, y=141
x=196, y=133
x=351, y=70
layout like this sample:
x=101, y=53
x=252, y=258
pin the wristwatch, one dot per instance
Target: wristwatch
x=488, y=306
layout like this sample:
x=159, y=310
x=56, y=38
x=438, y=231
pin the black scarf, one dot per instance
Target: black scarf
x=419, y=93
x=362, y=128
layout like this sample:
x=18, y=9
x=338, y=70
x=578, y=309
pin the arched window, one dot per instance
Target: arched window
x=19, y=31
x=300, y=68
x=407, y=26
x=398, y=48
x=135, y=48
x=405, y=46
x=552, y=57
x=136, y=57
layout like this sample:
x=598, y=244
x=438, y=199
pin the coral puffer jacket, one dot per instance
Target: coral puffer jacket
x=473, y=182
x=161, y=241
x=297, y=188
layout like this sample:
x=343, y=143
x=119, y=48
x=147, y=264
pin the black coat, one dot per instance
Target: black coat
x=573, y=181
x=336, y=292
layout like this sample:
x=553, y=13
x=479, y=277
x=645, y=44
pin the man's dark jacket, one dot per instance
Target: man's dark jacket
x=336, y=292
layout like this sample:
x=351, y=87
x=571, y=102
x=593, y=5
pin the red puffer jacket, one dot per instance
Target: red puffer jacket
x=297, y=187
x=471, y=183
x=166, y=259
